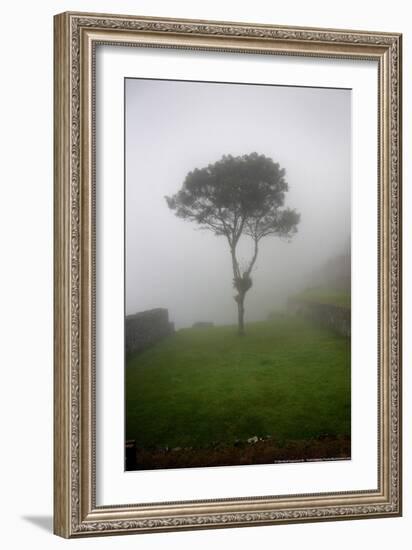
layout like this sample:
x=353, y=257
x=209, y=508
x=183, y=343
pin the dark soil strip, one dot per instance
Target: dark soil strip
x=261, y=452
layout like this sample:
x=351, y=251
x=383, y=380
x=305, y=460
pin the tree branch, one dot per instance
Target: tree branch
x=235, y=263
x=254, y=257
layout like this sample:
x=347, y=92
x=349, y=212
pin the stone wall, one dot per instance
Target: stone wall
x=146, y=328
x=335, y=317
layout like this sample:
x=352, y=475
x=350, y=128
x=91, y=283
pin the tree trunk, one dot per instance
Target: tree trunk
x=241, y=314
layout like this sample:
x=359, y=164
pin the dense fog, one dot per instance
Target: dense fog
x=173, y=127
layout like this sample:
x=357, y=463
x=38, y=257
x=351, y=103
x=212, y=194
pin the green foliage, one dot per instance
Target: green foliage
x=242, y=284
x=288, y=378
x=235, y=196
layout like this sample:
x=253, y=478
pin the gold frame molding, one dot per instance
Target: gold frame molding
x=75, y=38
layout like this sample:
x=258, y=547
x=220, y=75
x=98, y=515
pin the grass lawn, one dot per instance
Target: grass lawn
x=285, y=378
x=325, y=296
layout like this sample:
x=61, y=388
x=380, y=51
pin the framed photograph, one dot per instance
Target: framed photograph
x=227, y=274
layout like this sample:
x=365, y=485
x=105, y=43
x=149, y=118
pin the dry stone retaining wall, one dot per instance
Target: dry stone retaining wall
x=146, y=328
x=328, y=315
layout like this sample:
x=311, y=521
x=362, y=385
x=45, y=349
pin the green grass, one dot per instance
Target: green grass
x=325, y=296
x=285, y=378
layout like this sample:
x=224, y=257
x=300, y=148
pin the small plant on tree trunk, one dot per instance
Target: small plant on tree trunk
x=238, y=196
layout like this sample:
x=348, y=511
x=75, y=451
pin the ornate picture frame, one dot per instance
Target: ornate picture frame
x=76, y=510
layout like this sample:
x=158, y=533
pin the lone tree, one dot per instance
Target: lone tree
x=238, y=196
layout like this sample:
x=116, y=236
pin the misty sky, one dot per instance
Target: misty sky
x=173, y=127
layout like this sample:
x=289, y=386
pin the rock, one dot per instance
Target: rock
x=253, y=439
x=177, y=449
